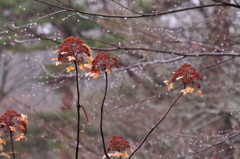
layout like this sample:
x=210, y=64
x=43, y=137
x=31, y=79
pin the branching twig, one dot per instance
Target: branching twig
x=208, y=147
x=145, y=138
x=170, y=52
x=101, y=120
x=131, y=16
x=227, y=4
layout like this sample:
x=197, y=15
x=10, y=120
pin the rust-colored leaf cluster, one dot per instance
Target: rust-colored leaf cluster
x=188, y=76
x=102, y=62
x=72, y=48
x=117, y=143
x=11, y=122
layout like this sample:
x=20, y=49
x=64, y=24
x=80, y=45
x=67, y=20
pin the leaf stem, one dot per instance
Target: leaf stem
x=101, y=120
x=11, y=136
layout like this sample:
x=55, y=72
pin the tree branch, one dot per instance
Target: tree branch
x=132, y=16
x=170, y=52
x=208, y=147
x=78, y=110
x=227, y=4
x=101, y=120
x=145, y=138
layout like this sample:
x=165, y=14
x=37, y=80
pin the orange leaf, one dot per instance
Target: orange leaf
x=124, y=154
x=2, y=141
x=82, y=67
x=21, y=127
x=24, y=118
x=190, y=90
x=199, y=92
x=20, y=136
x=70, y=68
x=56, y=58
x=57, y=51
x=170, y=86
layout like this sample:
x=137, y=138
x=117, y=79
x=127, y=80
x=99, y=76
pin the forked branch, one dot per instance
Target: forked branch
x=145, y=138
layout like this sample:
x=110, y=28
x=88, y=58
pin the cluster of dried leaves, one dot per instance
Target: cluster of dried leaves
x=10, y=123
x=118, y=144
x=74, y=50
x=187, y=75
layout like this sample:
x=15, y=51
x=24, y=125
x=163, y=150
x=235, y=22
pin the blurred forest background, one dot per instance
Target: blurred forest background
x=151, y=39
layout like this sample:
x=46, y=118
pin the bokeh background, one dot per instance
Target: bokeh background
x=151, y=39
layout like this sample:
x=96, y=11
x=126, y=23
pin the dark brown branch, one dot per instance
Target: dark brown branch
x=78, y=110
x=151, y=63
x=132, y=16
x=227, y=4
x=146, y=49
x=101, y=120
x=169, y=52
x=145, y=138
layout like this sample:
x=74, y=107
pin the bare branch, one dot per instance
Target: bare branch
x=132, y=16
x=208, y=147
x=171, y=52
x=227, y=4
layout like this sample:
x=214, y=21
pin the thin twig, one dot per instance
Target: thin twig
x=101, y=120
x=145, y=138
x=227, y=4
x=208, y=147
x=216, y=64
x=78, y=109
